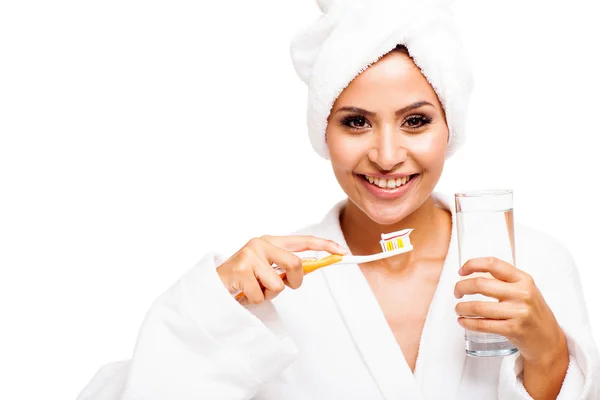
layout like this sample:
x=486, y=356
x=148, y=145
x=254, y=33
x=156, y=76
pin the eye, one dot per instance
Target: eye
x=417, y=121
x=355, y=122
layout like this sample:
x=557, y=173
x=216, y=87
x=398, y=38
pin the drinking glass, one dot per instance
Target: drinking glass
x=485, y=229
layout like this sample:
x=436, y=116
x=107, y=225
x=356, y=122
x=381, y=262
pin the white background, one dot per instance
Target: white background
x=138, y=135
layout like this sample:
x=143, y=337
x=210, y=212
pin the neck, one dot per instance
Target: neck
x=431, y=225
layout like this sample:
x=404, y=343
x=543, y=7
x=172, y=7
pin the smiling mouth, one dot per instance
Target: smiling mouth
x=389, y=183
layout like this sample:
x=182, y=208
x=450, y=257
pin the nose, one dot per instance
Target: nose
x=388, y=149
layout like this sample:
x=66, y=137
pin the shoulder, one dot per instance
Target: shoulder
x=542, y=255
x=534, y=242
x=108, y=382
x=551, y=265
x=307, y=230
x=328, y=221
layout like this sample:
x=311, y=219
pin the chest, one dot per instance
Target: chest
x=404, y=302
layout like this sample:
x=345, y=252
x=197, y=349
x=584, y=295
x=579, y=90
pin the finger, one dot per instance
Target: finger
x=270, y=280
x=303, y=243
x=485, y=325
x=270, y=295
x=489, y=287
x=286, y=260
x=485, y=309
x=252, y=290
x=498, y=268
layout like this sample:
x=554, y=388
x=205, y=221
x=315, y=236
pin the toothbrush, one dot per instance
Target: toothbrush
x=392, y=244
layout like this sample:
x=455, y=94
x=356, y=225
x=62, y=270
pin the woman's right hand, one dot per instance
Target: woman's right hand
x=252, y=265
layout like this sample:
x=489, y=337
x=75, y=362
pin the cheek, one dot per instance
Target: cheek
x=345, y=151
x=429, y=149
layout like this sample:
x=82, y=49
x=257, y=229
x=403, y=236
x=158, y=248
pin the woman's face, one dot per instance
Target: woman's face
x=387, y=138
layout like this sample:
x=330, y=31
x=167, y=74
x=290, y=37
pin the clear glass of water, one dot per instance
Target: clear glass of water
x=485, y=229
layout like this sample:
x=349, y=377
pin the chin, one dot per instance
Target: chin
x=387, y=219
x=383, y=214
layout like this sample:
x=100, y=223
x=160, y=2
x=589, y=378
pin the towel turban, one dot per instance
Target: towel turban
x=350, y=35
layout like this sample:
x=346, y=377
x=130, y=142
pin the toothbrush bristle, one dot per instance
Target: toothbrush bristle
x=395, y=240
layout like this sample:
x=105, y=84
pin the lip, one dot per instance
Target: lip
x=389, y=176
x=387, y=194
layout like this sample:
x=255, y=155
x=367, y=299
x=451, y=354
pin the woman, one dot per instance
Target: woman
x=387, y=116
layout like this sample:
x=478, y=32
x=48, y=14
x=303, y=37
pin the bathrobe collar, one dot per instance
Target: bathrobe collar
x=441, y=356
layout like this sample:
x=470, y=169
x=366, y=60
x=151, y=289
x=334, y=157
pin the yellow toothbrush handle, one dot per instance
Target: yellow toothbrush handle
x=308, y=265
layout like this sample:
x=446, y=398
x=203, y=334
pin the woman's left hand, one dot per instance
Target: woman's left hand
x=521, y=313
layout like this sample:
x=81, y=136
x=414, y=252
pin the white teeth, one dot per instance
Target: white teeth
x=388, y=183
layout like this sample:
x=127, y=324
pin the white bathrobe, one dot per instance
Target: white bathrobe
x=330, y=340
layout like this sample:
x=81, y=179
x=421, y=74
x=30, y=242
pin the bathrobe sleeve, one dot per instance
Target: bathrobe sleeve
x=561, y=287
x=197, y=342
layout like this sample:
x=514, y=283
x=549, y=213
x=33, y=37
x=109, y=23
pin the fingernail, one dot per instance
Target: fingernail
x=342, y=249
x=461, y=270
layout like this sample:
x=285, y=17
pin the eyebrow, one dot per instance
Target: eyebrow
x=409, y=107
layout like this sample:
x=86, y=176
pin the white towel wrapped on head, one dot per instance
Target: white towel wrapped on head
x=353, y=34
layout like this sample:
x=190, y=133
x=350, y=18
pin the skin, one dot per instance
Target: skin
x=521, y=315
x=384, y=141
